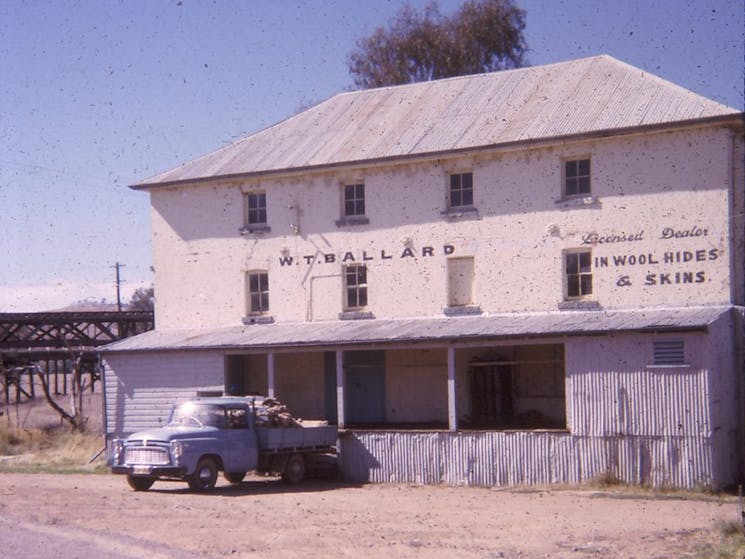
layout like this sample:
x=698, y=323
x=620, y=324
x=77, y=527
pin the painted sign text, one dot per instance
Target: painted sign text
x=350, y=257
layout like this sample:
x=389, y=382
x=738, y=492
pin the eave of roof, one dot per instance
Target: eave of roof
x=735, y=120
x=437, y=331
x=592, y=96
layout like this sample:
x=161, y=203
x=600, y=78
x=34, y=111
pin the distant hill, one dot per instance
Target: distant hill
x=89, y=306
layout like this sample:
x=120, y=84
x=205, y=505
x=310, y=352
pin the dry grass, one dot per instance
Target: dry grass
x=54, y=450
x=731, y=544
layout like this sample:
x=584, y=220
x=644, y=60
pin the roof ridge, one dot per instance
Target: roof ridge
x=477, y=75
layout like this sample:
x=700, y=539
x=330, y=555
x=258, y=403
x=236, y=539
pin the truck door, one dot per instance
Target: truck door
x=240, y=453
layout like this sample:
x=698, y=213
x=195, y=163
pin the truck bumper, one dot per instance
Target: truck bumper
x=150, y=471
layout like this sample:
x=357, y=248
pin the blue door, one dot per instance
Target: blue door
x=364, y=387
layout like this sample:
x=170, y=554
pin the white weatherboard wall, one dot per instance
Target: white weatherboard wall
x=142, y=388
x=658, y=225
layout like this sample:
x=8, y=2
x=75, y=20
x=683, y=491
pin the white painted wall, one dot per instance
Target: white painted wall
x=645, y=187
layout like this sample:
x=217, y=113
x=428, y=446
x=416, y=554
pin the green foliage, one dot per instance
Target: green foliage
x=483, y=36
x=143, y=299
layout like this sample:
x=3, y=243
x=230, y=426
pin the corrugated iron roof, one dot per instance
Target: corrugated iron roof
x=438, y=330
x=582, y=96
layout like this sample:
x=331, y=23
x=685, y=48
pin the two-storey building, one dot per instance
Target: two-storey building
x=529, y=276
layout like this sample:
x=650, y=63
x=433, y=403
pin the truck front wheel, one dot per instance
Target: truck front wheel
x=140, y=483
x=205, y=475
x=294, y=469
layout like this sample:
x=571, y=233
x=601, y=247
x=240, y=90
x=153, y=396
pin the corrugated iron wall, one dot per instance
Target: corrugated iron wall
x=651, y=402
x=523, y=458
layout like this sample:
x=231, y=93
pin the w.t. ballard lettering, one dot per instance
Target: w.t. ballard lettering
x=365, y=256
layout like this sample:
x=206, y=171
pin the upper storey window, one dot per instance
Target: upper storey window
x=354, y=200
x=577, y=177
x=461, y=191
x=353, y=205
x=255, y=203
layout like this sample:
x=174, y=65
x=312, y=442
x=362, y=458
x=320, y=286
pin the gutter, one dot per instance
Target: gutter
x=403, y=343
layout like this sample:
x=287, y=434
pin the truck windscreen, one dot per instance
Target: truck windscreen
x=205, y=415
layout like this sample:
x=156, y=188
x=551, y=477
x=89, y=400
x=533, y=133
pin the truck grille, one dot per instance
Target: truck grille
x=144, y=455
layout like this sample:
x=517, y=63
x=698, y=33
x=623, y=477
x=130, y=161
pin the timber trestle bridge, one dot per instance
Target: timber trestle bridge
x=52, y=342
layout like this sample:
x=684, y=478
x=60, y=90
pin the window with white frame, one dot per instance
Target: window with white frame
x=256, y=209
x=354, y=200
x=461, y=191
x=578, y=273
x=355, y=286
x=258, y=292
x=577, y=177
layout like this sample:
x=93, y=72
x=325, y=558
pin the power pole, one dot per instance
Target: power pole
x=118, y=286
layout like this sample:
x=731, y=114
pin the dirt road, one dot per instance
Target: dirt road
x=93, y=516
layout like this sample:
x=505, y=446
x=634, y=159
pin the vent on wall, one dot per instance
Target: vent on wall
x=669, y=352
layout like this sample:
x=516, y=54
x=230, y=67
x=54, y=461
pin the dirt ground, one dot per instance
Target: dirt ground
x=92, y=516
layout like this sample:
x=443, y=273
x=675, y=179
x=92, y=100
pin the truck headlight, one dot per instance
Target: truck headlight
x=117, y=451
x=177, y=449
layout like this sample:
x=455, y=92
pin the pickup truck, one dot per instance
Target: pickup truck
x=232, y=434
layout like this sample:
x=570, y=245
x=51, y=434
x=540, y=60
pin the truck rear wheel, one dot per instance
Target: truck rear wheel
x=294, y=469
x=235, y=477
x=140, y=483
x=205, y=475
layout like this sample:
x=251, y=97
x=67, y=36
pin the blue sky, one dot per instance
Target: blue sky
x=99, y=94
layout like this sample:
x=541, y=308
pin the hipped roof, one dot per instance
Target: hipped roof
x=587, y=96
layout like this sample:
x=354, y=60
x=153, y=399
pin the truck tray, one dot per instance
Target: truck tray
x=296, y=438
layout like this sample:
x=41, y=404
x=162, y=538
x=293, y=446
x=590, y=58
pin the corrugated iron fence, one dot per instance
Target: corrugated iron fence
x=523, y=458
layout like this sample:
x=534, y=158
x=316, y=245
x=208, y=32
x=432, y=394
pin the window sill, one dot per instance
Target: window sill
x=670, y=366
x=580, y=305
x=580, y=201
x=257, y=319
x=254, y=229
x=465, y=212
x=465, y=310
x=356, y=315
x=352, y=220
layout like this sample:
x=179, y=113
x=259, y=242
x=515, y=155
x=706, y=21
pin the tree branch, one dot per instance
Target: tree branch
x=63, y=414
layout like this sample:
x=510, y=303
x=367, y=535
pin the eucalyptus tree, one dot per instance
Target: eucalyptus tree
x=482, y=36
